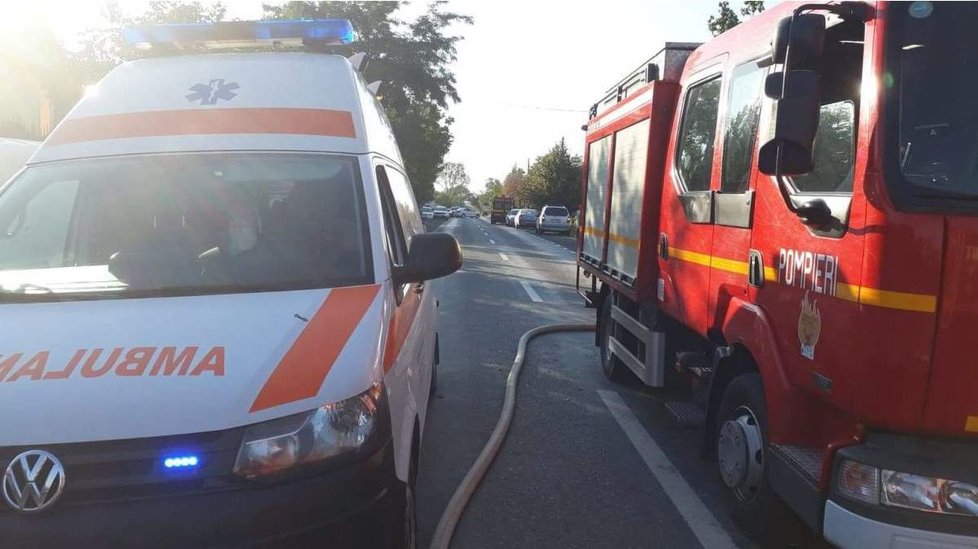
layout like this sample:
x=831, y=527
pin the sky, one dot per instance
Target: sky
x=527, y=71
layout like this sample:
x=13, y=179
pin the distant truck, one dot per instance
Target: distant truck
x=501, y=205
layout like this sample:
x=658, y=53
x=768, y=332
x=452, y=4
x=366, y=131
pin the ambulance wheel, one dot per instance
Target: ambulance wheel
x=613, y=368
x=741, y=445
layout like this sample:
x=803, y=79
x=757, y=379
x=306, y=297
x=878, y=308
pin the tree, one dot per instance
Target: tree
x=494, y=188
x=555, y=178
x=727, y=18
x=412, y=62
x=453, y=185
x=514, y=182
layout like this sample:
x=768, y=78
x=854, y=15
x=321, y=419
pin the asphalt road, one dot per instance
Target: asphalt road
x=587, y=463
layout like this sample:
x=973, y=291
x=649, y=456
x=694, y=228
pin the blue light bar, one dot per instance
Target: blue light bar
x=241, y=33
x=181, y=462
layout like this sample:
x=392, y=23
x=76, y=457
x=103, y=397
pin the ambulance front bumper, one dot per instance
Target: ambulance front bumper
x=355, y=506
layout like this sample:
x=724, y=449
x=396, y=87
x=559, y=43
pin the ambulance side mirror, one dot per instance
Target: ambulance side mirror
x=432, y=255
x=796, y=112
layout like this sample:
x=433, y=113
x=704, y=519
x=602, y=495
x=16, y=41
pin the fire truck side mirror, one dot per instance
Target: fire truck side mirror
x=804, y=35
x=796, y=110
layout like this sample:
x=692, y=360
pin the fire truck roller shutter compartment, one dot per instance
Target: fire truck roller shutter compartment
x=627, y=198
x=597, y=182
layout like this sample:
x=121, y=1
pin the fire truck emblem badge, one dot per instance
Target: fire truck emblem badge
x=809, y=327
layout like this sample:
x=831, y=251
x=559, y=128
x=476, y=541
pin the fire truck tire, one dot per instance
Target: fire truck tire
x=741, y=446
x=613, y=368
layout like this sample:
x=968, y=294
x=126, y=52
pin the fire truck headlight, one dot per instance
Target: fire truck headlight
x=961, y=497
x=911, y=491
x=930, y=494
x=303, y=441
x=859, y=481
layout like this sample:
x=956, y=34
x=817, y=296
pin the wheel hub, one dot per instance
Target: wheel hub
x=740, y=453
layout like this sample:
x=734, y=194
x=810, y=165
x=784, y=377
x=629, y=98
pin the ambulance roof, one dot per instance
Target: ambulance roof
x=225, y=102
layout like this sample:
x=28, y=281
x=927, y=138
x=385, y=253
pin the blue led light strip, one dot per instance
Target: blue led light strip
x=329, y=31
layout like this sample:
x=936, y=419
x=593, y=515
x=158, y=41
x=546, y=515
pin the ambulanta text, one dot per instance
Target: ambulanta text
x=120, y=361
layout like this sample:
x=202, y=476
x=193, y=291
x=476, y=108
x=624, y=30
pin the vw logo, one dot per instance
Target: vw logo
x=33, y=481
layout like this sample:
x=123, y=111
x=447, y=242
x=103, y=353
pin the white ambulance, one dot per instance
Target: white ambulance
x=214, y=328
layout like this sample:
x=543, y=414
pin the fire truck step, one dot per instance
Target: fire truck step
x=806, y=459
x=686, y=413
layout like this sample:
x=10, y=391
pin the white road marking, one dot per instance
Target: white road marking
x=700, y=520
x=534, y=296
x=504, y=256
x=491, y=241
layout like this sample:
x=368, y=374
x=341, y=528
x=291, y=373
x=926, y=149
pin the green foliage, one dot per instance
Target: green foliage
x=494, y=188
x=554, y=178
x=412, y=62
x=453, y=185
x=726, y=18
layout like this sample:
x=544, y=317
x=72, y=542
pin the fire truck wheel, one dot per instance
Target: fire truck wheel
x=741, y=441
x=612, y=367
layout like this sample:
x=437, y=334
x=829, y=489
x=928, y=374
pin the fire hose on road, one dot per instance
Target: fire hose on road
x=456, y=506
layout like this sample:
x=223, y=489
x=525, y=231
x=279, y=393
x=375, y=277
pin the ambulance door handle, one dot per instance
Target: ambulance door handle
x=663, y=246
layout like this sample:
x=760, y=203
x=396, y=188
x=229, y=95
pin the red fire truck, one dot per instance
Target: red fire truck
x=784, y=220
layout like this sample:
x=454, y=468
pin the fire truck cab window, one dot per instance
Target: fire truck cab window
x=743, y=112
x=840, y=78
x=698, y=134
x=935, y=58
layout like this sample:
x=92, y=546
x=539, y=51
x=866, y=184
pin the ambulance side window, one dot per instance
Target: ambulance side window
x=407, y=208
x=392, y=222
x=698, y=134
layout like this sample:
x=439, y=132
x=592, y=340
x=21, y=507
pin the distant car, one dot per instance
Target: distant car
x=440, y=212
x=511, y=216
x=554, y=218
x=427, y=214
x=525, y=218
x=466, y=211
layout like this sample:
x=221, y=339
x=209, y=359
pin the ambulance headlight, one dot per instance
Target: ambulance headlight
x=304, y=441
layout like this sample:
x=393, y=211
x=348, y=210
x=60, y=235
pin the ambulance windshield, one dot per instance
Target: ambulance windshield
x=182, y=224
x=935, y=59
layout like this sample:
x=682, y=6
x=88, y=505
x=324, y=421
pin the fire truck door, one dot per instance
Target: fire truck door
x=733, y=205
x=806, y=278
x=686, y=224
